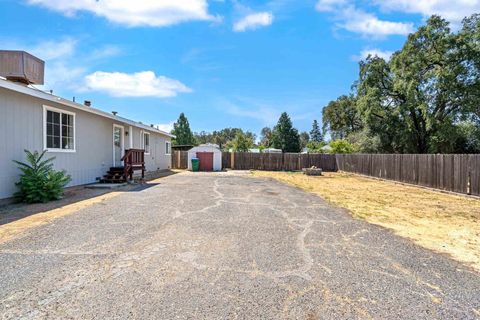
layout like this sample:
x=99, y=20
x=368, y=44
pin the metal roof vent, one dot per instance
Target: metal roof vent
x=20, y=66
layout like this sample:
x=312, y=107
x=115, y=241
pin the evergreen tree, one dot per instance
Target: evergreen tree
x=316, y=134
x=181, y=129
x=286, y=137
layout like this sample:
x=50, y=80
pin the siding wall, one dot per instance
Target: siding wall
x=157, y=159
x=21, y=127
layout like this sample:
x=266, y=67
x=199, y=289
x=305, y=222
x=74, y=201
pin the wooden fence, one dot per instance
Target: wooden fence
x=179, y=159
x=452, y=172
x=264, y=161
x=281, y=161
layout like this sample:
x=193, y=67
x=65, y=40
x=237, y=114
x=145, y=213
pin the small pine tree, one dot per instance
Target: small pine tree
x=181, y=129
x=38, y=181
x=316, y=134
x=286, y=137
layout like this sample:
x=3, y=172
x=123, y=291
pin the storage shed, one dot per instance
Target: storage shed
x=210, y=157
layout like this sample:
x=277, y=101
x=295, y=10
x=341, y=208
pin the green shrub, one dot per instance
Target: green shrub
x=38, y=181
x=341, y=146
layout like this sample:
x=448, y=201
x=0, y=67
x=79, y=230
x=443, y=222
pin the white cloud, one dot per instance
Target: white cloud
x=54, y=49
x=167, y=127
x=139, y=84
x=453, y=11
x=155, y=13
x=358, y=21
x=365, y=23
x=253, y=21
x=386, y=55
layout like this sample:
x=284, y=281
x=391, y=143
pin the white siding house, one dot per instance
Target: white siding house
x=85, y=141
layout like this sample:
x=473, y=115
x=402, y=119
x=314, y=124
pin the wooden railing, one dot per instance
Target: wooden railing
x=134, y=159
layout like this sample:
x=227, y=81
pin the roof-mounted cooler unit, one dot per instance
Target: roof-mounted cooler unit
x=20, y=66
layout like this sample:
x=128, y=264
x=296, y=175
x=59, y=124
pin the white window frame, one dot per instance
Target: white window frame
x=170, y=148
x=122, y=141
x=48, y=108
x=149, y=142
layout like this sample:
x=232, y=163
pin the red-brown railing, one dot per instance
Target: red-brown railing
x=134, y=159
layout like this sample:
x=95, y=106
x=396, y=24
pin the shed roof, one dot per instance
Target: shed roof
x=34, y=92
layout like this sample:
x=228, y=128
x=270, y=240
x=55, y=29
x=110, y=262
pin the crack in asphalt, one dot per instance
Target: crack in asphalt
x=320, y=244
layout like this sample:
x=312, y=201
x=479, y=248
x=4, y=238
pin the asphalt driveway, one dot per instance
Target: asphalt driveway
x=226, y=246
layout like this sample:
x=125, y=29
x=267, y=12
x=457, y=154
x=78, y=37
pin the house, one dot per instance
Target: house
x=86, y=142
x=209, y=156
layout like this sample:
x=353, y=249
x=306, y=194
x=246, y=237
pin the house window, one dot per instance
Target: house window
x=168, y=148
x=146, y=142
x=59, y=130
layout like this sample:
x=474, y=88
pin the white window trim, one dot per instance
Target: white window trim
x=149, y=142
x=48, y=108
x=122, y=141
x=170, y=143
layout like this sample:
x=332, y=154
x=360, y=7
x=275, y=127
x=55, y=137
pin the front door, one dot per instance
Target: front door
x=117, y=146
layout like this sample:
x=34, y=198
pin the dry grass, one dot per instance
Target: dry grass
x=17, y=228
x=443, y=222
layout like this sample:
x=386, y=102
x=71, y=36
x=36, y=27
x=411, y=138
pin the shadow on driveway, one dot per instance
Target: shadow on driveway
x=10, y=212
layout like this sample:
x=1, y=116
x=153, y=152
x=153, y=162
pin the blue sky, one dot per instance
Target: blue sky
x=223, y=63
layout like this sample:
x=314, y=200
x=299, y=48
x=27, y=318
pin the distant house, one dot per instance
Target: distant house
x=86, y=142
x=271, y=150
x=327, y=149
x=266, y=150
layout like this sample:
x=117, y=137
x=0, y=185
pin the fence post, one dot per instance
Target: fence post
x=469, y=183
x=232, y=160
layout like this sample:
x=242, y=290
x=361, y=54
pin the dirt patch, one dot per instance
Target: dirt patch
x=443, y=222
x=12, y=230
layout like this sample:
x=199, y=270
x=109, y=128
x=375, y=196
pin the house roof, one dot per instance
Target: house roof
x=34, y=92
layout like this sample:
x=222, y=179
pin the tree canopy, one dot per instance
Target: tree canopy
x=266, y=137
x=285, y=136
x=304, y=139
x=425, y=99
x=241, y=143
x=223, y=138
x=181, y=129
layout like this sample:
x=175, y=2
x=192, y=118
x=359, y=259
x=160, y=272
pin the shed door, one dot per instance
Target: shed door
x=206, y=161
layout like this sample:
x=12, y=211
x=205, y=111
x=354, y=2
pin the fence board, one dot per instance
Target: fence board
x=281, y=161
x=458, y=173
x=179, y=159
